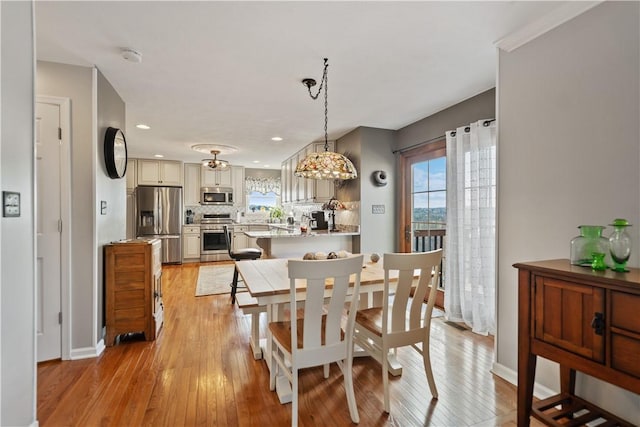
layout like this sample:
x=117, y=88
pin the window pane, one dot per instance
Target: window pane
x=262, y=202
x=438, y=174
x=420, y=176
x=438, y=209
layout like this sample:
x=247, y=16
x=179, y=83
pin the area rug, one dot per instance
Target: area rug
x=215, y=279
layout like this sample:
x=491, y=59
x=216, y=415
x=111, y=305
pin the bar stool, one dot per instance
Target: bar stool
x=238, y=255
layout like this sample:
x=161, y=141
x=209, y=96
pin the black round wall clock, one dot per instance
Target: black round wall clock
x=115, y=153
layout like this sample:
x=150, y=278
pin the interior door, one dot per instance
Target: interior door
x=48, y=231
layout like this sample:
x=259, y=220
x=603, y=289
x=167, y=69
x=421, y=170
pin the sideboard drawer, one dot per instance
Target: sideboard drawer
x=625, y=311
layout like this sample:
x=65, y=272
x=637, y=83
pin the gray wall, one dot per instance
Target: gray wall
x=569, y=153
x=112, y=226
x=90, y=93
x=76, y=83
x=262, y=173
x=371, y=149
x=17, y=253
x=481, y=106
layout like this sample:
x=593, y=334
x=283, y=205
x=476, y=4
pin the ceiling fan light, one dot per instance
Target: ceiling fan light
x=215, y=163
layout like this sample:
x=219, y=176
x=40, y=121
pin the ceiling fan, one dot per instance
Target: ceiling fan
x=215, y=163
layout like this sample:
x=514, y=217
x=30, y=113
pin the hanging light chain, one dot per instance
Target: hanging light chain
x=326, y=104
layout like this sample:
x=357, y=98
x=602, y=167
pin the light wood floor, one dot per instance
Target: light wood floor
x=200, y=371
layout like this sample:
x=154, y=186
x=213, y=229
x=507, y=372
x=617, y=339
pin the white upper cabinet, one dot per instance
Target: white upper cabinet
x=237, y=180
x=159, y=172
x=131, y=174
x=216, y=177
x=192, y=184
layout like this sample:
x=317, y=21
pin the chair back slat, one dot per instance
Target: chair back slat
x=321, y=300
x=427, y=265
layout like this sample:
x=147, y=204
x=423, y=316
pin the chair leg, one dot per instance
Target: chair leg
x=326, y=370
x=234, y=285
x=347, y=374
x=427, y=368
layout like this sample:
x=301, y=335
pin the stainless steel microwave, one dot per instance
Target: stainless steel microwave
x=216, y=196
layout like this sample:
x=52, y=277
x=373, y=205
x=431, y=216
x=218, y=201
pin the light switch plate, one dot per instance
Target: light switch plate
x=103, y=207
x=377, y=209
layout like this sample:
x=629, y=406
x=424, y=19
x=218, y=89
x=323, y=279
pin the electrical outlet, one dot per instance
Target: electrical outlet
x=377, y=209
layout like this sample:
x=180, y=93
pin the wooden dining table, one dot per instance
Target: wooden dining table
x=267, y=280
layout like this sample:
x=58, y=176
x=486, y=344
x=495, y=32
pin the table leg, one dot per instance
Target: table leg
x=283, y=387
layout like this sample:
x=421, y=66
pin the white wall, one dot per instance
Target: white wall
x=17, y=253
x=569, y=154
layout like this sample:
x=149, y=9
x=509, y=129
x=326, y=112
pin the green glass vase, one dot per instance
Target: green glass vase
x=620, y=245
x=589, y=241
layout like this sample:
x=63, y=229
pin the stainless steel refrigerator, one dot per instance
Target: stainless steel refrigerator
x=159, y=214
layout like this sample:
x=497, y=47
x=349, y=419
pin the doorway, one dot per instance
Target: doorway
x=423, y=205
x=53, y=211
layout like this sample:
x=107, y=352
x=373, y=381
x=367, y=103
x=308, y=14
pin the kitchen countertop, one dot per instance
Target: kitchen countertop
x=285, y=232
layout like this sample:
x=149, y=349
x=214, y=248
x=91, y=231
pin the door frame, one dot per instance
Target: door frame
x=432, y=150
x=64, y=104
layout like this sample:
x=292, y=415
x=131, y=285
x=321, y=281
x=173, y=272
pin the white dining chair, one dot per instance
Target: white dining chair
x=403, y=320
x=320, y=338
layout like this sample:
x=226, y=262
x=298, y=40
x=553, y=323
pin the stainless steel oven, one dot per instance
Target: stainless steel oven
x=213, y=246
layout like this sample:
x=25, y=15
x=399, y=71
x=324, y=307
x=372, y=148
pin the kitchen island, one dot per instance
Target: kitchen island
x=289, y=242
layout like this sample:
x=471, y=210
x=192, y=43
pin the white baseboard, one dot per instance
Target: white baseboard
x=88, y=352
x=511, y=376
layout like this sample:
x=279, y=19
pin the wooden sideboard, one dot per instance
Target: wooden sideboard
x=133, y=285
x=587, y=321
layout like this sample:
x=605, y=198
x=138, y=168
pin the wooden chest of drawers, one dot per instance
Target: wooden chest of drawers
x=587, y=321
x=133, y=285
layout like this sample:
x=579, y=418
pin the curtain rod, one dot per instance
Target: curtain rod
x=437, y=138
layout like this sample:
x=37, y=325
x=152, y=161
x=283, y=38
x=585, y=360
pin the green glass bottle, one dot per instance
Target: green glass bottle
x=620, y=245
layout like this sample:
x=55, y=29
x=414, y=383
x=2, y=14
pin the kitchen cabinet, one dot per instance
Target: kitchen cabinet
x=241, y=240
x=131, y=175
x=237, y=183
x=133, y=288
x=191, y=243
x=284, y=183
x=159, y=172
x=131, y=213
x=215, y=177
x=192, y=185
x=584, y=320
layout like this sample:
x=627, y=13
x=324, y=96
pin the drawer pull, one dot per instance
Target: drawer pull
x=598, y=323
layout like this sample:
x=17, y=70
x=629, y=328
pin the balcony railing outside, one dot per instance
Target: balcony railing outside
x=429, y=236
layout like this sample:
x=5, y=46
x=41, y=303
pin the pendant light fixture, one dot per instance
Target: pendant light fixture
x=215, y=163
x=326, y=164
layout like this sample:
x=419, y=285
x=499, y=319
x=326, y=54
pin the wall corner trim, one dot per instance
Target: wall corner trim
x=88, y=352
x=511, y=376
x=546, y=23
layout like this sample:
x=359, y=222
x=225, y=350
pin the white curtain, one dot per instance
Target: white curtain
x=471, y=226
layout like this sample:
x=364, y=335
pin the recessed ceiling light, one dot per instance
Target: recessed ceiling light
x=276, y=138
x=256, y=161
x=266, y=166
x=142, y=126
x=158, y=155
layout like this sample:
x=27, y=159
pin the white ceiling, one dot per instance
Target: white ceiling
x=230, y=73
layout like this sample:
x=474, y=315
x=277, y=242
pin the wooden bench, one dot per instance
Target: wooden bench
x=249, y=305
